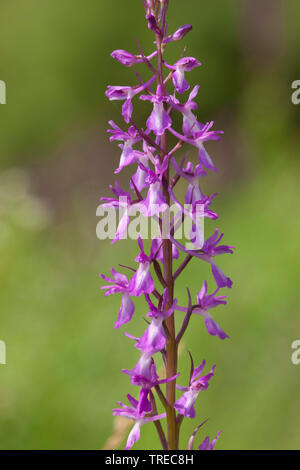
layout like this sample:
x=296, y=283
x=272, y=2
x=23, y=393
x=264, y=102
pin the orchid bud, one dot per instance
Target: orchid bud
x=125, y=58
x=181, y=32
x=152, y=24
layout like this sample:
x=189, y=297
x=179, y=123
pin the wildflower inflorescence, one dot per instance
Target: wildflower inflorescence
x=152, y=187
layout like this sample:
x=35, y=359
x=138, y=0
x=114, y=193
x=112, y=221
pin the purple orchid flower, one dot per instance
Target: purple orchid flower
x=211, y=249
x=120, y=284
x=128, y=59
x=140, y=418
x=159, y=120
x=199, y=208
x=207, y=445
x=191, y=175
x=124, y=202
x=204, y=135
x=186, y=64
x=142, y=281
x=144, y=375
x=208, y=252
x=154, y=338
x=205, y=303
x=126, y=93
x=199, y=137
x=190, y=124
x=140, y=178
x=196, y=212
x=129, y=138
x=155, y=202
x=198, y=383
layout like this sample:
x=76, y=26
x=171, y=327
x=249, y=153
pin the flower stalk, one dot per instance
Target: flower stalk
x=153, y=183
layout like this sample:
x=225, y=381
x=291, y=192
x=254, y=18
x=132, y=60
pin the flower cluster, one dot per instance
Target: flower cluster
x=156, y=171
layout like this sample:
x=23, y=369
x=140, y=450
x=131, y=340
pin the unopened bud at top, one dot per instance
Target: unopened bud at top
x=152, y=23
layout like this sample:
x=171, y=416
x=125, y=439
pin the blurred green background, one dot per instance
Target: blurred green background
x=63, y=357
